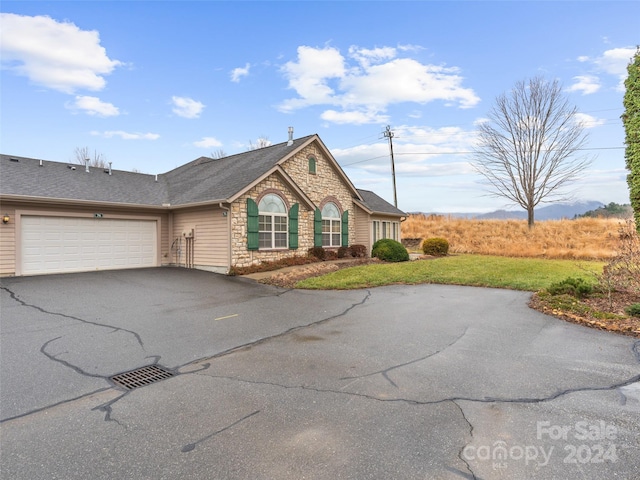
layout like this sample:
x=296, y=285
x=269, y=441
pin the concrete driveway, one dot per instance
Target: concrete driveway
x=426, y=381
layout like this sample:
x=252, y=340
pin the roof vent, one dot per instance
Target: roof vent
x=14, y=160
x=290, y=142
x=86, y=165
x=108, y=170
x=72, y=167
x=41, y=164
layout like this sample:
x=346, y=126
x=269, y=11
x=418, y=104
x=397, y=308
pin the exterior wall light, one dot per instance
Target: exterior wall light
x=5, y=218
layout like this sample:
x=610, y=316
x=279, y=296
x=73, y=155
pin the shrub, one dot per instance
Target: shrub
x=330, y=255
x=389, y=251
x=576, y=287
x=318, y=252
x=438, y=247
x=344, y=252
x=633, y=310
x=358, y=251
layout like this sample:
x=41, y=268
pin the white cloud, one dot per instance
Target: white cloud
x=366, y=87
x=613, y=62
x=126, y=135
x=208, y=142
x=93, y=106
x=52, y=54
x=588, y=121
x=419, y=151
x=587, y=84
x=186, y=107
x=238, y=73
x=353, y=117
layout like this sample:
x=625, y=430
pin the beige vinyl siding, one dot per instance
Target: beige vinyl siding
x=8, y=241
x=363, y=229
x=10, y=253
x=211, y=237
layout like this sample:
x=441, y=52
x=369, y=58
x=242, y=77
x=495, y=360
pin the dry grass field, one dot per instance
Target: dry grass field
x=584, y=238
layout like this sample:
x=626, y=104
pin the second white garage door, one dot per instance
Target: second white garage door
x=69, y=244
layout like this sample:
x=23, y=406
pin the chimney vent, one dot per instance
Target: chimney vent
x=290, y=142
x=156, y=177
x=110, y=167
x=86, y=165
x=41, y=162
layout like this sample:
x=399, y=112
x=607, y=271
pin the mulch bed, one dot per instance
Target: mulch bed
x=619, y=301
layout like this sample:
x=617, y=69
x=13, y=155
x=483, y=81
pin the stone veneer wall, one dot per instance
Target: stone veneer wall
x=325, y=183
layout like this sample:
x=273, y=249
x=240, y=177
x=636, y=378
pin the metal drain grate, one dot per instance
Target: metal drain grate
x=141, y=377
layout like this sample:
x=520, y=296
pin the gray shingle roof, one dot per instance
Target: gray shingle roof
x=202, y=180
x=379, y=205
x=25, y=177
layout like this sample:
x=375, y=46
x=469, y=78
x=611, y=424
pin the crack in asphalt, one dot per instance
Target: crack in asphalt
x=285, y=332
x=57, y=404
x=525, y=400
x=386, y=371
x=15, y=297
x=460, y=452
x=191, y=446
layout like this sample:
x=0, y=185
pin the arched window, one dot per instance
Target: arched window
x=331, y=221
x=272, y=230
x=312, y=165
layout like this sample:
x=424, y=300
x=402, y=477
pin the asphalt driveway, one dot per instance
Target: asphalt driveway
x=426, y=381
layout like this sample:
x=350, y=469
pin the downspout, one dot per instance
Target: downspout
x=229, y=235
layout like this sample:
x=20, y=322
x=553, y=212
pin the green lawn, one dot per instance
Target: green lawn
x=478, y=270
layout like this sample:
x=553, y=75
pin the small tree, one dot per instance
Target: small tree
x=82, y=155
x=218, y=154
x=526, y=150
x=262, y=142
x=631, y=121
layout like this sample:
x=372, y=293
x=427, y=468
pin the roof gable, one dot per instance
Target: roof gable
x=372, y=203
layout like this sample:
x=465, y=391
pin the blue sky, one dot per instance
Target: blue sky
x=153, y=85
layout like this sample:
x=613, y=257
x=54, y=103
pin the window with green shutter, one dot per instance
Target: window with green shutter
x=317, y=228
x=293, y=227
x=312, y=165
x=345, y=228
x=253, y=225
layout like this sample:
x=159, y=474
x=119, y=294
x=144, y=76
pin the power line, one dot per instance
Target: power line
x=464, y=153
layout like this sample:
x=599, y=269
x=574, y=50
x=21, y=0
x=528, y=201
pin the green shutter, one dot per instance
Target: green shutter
x=345, y=228
x=317, y=228
x=293, y=227
x=312, y=165
x=253, y=225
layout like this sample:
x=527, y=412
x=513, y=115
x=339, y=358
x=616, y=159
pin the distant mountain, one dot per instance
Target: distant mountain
x=550, y=212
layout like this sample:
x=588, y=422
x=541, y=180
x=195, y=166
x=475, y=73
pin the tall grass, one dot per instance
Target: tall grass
x=584, y=238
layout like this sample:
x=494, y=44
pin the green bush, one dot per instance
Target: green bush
x=576, y=287
x=318, y=252
x=633, y=310
x=389, y=251
x=438, y=247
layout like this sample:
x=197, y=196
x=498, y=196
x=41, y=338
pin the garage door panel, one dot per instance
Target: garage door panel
x=73, y=244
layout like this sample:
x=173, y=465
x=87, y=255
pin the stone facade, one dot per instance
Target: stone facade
x=327, y=184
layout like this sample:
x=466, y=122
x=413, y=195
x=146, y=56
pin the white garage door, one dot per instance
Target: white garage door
x=68, y=244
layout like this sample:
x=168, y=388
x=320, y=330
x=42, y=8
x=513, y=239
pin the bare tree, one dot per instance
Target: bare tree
x=263, y=141
x=218, y=154
x=528, y=150
x=97, y=160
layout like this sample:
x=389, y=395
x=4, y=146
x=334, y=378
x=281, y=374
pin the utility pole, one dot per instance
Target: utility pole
x=389, y=134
